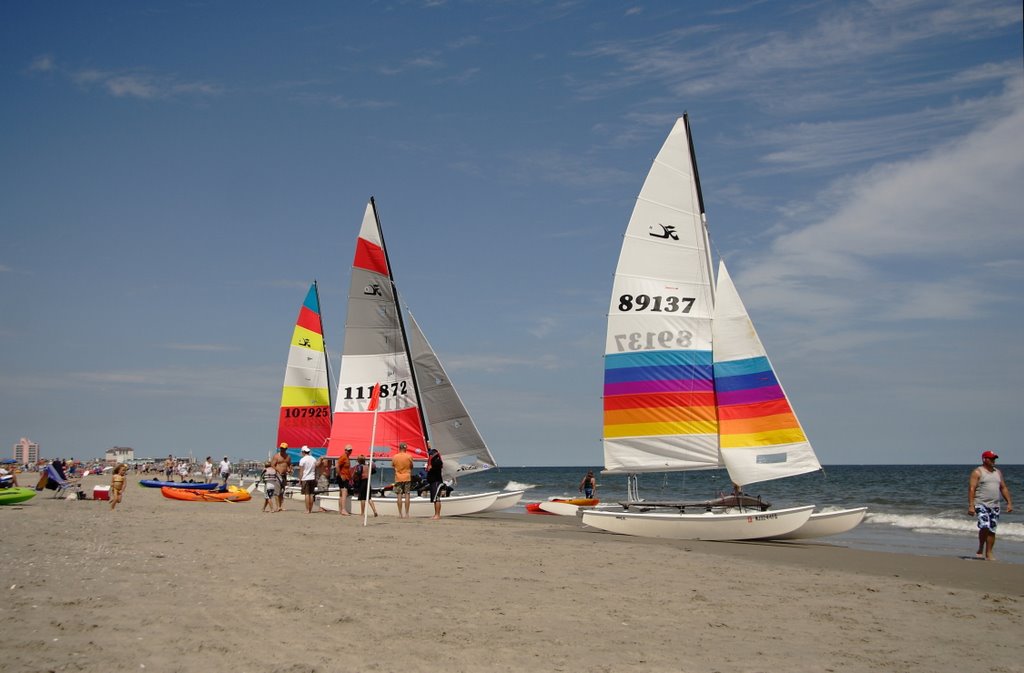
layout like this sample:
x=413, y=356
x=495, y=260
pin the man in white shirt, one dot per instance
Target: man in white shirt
x=225, y=471
x=307, y=477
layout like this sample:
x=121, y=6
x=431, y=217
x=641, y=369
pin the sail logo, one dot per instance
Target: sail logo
x=668, y=231
x=304, y=342
x=373, y=290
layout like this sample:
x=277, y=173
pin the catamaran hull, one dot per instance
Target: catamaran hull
x=505, y=500
x=455, y=505
x=822, y=524
x=747, y=525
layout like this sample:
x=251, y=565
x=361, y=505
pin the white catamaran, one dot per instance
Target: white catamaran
x=416, y=402
x=688, y=385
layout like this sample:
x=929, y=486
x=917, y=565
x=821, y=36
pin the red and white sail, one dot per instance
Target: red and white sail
x=375, y=351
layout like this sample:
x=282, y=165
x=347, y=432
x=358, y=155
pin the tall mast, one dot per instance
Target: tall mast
x=323, y=337
x=401, y=324
x=700, y=203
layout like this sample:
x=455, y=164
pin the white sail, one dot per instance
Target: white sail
x=759, y=434
x=659, y=412
x=451, y=430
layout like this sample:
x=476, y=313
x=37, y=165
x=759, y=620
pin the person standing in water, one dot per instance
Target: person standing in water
x=983, y=495
x=588, y=485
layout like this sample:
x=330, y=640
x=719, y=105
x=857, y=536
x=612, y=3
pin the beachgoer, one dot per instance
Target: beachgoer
x=401, y=462
x=282, y=464
x=361, y=483
x=225, y=471
x=307, y=477
x=435, y=479
x=183, y=470
x=8, y=478
x=983, y=494
x=117, y=484
x=323, y=472
x=588, y=485
x=169, y=468
x=270, y=485
x=344, y=473
x=208, y=470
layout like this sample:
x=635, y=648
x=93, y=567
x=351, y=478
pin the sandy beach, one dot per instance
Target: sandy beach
x=160, y=585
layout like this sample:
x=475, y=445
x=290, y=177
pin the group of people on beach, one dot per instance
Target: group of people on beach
x=184, y=469
x=353, y=480
x=986, y=488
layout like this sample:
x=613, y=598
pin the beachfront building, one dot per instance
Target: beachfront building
x=119, y=454
x=26, y=452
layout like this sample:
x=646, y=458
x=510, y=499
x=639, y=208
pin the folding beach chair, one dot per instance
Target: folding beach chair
x=63, y=488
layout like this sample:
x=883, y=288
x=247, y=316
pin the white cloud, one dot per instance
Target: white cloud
x=919, y=239
x=142, y=85
x=42, y=63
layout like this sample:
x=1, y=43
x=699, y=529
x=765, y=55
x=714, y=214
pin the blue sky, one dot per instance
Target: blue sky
x=174, y=175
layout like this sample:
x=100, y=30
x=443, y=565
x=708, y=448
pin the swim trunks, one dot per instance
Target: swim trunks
x=988, y=516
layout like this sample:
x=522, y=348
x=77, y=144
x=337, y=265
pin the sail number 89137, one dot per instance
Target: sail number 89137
x=646, y=341
x=656, y=304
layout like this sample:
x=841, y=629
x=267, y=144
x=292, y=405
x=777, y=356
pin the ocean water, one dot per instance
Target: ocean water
x=913, y=509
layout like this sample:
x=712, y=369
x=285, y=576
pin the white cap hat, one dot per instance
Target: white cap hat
x=305, y=449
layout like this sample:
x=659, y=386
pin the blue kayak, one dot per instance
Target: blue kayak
x=153, y=483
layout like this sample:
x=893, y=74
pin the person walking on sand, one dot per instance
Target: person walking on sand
x=344, y=474
x=225, y=471
x=282, y=464
x=270, y=486
x=208, y=470
x=435, y=479
x=361, y=483
x=588, y=485
x=402, y=464
x=169, y=468
x=983, y=494
x=307, y=477
x=117, y=484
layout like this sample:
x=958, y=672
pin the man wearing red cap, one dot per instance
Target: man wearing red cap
x=983, y=494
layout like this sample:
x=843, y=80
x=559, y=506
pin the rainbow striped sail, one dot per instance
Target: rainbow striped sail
x=305, y=417
x=687, y=385
x=659, y=394
x=375, y=351
x=759, y=435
